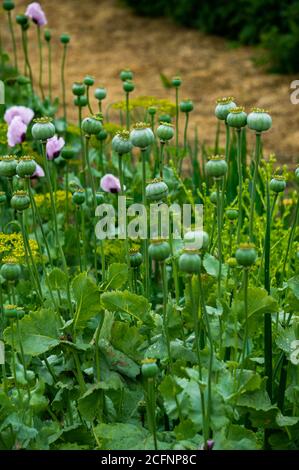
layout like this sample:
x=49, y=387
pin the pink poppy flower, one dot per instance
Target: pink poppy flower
x=26, y=114
x=39, y=172
x=36, y=13
x=16, y=132
x=54, y=146
x=110, y=183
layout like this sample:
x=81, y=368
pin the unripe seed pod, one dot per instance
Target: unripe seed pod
x=121, y=143
x=135, y=258
x=8, y=5
x=12, y=311
x=196, y=240
x=128, y=86
x=100, y=198
x=237, y=118
x=80, y=101
x=10, y=270
x=232, y=214
x=78, y=197
x=142, y=136
x=259, y=120
x=164, y=118
x=47, y=35
x=78, y=89
x=102, y=135
x=159, y=250
x=65, y=38
x=8, y=165
x=126, y=75
x=100, y=93
x=246, y=255
x=224, y=107
x=190, y=261
x=165, y=131
x=278, y=184
x=176, y=82
x=67, y=153
x=88, y=80
x=43, y=129
x=186, y=106
x=92, y=125
x=149, y=368
x=26, y=167
x=216, y=166
x=20, y=201
x=156, y=191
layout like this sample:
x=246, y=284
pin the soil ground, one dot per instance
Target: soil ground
x=106, y=37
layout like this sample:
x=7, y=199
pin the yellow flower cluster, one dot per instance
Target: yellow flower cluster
x=162, y=105
x=43, y=200
x=12, y=246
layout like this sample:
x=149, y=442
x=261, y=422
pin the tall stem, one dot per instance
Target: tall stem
x=240, y=175
x=177, y=124
x=40, y=48
x=145, y=241
x=267, y=316
x=63, y=82
x=127, y=112
x=151, y=409
x=13, y=39
x=254, y=182
x=27, y=62
x=291, y=237
x=162, y=145
x=219, y=239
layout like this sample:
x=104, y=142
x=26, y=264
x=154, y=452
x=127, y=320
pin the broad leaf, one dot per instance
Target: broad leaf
x=134, y=305
x=87, y=296
x=117, y=275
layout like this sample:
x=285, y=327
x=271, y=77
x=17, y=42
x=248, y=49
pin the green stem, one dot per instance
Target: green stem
x=127, y=112
x=219, y=238
x=93, y=188
x=88, y=99
x=63, y=83
x=145, y=241
x=78, y=237
x=177, y=124
x=162, y=145
x=97, y=356
x=79, y=372
x=40, y=48
x=151, y=409
x=50, y=69
x=291, y=237
x=13, y=39
x=67, y=193
x=27, y=62
x=240, y=175
x=254, y=183
x=245, y=342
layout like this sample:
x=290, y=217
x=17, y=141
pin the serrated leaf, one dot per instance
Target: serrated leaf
x=87, y=297
x=117, y=275
x=39, y=332
x=57, y=279
x=134, y=305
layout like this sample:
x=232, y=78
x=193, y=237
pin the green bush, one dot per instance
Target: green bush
x=270, y=23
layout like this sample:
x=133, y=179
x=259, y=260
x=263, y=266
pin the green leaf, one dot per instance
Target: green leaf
x=211, y=265
x=117, y=275
x=57, y=279
x=293, y=284
x=134, y=305
x=118, y=360
x=127, y=339
x=39, y=332
x=285, y=339
x=283, y=421
x=89, y=404
x=87, y=296
x=236, y=438
x=185, y=430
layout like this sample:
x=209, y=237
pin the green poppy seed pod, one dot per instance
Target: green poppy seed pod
x=8, y=5
x=149, y=368
x=142, y=136
x=8, y=165
x=121, y=143
x=22, y=20
x=126, y=75
x=10, y=270
x=165, y=131
x=20, y=201
x=92, y=125
x=81, y=101
x=3, y=198
x=26, y=167
x=190, y=261
x=135, y=258
x=196, y=240
x=159, y=250
x=164, y=118
x=47, y=35
x=297, y=174
x=100, y=93
x=102, y=135
x=156, y=191
x=224, y=107
x=186, y=106
x=232, y=214
x=65, y=38
x=78, y=197
x=278, y=184
x=12, y=311
x=100, y=198
x=213, y=197
x=88, y=80
x=237, y=118
x=22, y=80
x=259, y=120
x=78, y=89
x=216, y=167
x=232, y=262
x=128, y=86
x=246, y=255
x=176, y=82
x=43, y=129
x=152, y=110
x=67, y=153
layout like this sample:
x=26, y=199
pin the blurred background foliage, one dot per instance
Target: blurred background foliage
x=272, y=24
